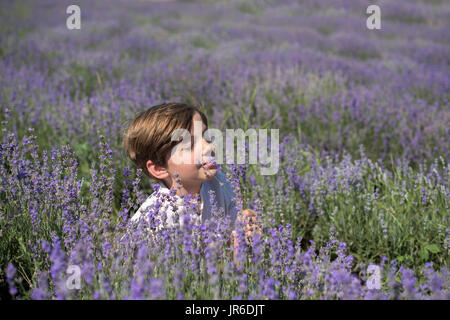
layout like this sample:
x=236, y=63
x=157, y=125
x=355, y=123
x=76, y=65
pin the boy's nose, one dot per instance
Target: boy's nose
x=209, y=148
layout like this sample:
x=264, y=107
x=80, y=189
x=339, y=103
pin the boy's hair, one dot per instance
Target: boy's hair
x=148, y=136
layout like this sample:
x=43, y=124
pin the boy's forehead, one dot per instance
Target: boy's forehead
x=203, y=130
x=197, y=117
x=197, y=121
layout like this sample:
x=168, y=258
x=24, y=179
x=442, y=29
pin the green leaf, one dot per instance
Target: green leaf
x=432, y=248
x=423, y=254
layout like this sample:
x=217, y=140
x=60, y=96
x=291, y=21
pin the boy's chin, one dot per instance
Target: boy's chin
x=210, y=173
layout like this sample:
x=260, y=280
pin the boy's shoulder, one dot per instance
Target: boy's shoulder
x=162, y=199
x=219, y=182
x=158, y=199
x=222, y=184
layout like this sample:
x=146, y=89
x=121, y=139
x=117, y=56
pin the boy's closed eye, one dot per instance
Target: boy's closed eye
x=207, y=138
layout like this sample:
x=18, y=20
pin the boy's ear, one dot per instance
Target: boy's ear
x=157, y=171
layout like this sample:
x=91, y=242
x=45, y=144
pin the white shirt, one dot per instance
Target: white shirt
x=173, y=205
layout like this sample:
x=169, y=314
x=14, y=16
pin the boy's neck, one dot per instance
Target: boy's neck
x=188, y=190
x=185, y=188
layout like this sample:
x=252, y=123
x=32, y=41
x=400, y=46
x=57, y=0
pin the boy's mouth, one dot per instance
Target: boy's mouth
x=209, y=163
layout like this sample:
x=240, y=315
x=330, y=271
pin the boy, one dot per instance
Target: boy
x=148, y=142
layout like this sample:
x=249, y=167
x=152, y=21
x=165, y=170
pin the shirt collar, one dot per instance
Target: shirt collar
x=164, y=189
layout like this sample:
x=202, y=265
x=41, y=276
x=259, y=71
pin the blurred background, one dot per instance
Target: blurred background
x=295, y=65
x=311, y=68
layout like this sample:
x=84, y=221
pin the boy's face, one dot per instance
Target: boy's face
x=190, y=159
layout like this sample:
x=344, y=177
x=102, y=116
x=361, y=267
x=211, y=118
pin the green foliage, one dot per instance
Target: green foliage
x=375, y=216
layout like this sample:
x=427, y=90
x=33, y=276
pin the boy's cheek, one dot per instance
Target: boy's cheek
x=181, y=158
x=197, y=154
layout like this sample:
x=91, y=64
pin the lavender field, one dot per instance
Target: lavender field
x=364, y=177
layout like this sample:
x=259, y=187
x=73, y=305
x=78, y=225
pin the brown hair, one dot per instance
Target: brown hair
x=148, y=135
